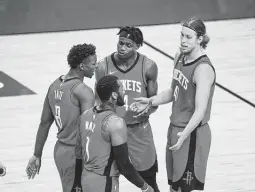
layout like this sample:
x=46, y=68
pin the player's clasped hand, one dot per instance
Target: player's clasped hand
x=33, y=167
x=181, y=139
x=140, y=106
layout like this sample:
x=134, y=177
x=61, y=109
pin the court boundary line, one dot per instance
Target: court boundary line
x=217, y=84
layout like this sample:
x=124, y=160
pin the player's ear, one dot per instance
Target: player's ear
x=81, y=66
x=200, y=39
x=114, y=95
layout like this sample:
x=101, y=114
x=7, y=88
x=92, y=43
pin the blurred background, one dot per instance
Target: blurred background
x=25, y=16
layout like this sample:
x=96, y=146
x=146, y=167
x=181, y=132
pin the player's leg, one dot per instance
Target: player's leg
x=142, y=152
x=176, y=161
x=65, y=161
x=203, y=144
x=92, y=182
x=169, y=160
x=189, y=162
x=150, y=176
x=77, y=179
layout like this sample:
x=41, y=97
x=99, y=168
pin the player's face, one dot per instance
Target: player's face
x=189, y=40
x=90, y=65
x=121, y=92
x=126, y=48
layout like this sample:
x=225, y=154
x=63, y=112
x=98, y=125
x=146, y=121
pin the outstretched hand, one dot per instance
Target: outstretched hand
x=140, y=106
x=181, y=139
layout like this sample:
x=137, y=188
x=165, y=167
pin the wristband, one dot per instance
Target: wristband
x=146, y=187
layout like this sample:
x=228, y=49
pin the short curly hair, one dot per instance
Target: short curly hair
x=105, y=86
x=80, y=52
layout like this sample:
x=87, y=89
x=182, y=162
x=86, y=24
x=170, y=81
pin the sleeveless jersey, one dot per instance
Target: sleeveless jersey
x=134, y=84
x=95, y=142
x=184, y=91
x=65, y=112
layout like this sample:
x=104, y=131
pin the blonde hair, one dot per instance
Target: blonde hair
x=199, y=27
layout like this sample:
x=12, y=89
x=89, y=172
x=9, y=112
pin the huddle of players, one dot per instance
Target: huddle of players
x=97, y=143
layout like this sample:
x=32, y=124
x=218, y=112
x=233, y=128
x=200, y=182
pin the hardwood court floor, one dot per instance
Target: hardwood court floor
x=36, y=60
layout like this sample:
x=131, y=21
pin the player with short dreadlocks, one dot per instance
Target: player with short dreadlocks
x=67, y=98
x=138, y=74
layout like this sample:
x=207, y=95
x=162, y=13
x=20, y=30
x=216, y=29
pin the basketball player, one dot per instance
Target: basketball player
x=2, y=170
x=67, y=98
x=138, y=75
x=192, y=89
x=102, y=142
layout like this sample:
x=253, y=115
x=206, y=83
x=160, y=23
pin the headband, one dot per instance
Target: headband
x=191, y=26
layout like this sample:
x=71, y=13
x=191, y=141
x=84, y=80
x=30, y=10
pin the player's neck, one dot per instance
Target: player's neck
x=107, y=105
x=75, y=73
x=196, y=53
x=126, y=61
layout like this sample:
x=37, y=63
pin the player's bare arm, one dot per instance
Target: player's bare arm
x=118, y=134
x=151, y=74
x=78, y=146
x=117, y=129
x=162, y=98
x=99, y=73
x=85, y=96
x=47, y=119
x=204, y=77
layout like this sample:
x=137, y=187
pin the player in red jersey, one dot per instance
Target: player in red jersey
x=192, y=89
x=67, y=98
x=102, y=142
x=138, y=74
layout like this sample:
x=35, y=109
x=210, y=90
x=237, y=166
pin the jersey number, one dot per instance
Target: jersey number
x=57, y=117
x=87, y=148
x=176, y=93
x=126, y=102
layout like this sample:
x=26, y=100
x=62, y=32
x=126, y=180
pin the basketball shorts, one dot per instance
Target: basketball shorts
x=141, y=147
x=186, y=167
x=69, y=168
x=92, y=182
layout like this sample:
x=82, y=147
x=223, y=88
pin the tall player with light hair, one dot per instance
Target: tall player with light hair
x=192, y=89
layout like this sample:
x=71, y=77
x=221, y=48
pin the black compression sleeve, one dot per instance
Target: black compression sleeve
x=125, y=167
